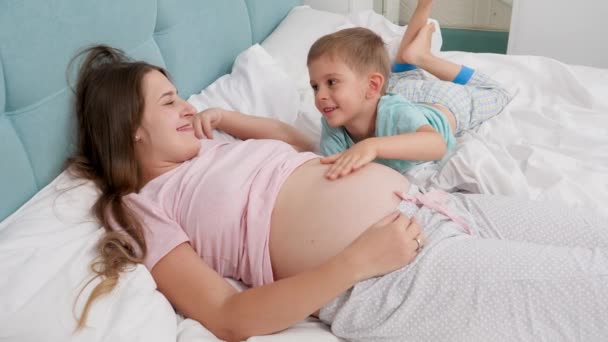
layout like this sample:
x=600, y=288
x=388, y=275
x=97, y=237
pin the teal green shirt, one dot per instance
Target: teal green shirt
x=395, y=115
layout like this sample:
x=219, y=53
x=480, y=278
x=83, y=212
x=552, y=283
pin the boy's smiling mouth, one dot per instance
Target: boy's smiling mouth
x=329, y=110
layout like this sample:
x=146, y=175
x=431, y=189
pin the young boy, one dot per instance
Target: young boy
x=350, y=75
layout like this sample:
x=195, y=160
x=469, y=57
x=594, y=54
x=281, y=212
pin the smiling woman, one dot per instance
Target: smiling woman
x=180, y=206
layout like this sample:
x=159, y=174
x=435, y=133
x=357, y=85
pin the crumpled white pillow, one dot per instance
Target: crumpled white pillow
x=290, y=41
x=257, y=85
x=46, y=249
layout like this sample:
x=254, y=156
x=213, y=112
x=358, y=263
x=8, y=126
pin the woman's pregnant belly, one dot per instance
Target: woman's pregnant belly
x=314, y=218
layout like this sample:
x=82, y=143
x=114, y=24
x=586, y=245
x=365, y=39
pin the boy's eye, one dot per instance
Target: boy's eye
x=332, y=82
x=314, y=87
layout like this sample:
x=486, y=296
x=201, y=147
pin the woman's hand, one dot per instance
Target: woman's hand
x=357, y=156
x=386, y=246
x=206, y=121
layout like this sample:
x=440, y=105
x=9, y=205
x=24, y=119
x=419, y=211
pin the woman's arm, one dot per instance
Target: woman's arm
x=198, y=292
x=245, y=127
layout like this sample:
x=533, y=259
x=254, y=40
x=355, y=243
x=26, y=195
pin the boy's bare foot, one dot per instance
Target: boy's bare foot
x=420, y=47
x=422, y=3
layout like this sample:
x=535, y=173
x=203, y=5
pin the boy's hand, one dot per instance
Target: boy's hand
x=206, y=121
x=350, y=160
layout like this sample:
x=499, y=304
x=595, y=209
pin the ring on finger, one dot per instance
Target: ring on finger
x=419, y=243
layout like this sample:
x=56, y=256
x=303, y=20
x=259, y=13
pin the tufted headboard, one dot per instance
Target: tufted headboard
x=39, y=37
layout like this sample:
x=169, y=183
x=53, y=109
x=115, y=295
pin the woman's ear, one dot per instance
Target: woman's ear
x=138, y=134
x=375, y=85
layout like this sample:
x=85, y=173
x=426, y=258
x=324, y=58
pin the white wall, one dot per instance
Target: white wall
x=340, y=6
x=574, y=32
x=389, y=8
x=467, y=14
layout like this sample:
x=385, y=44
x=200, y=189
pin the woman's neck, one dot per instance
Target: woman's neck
x=153, y=170
x=152, y=163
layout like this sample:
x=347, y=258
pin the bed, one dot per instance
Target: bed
x=550, y=142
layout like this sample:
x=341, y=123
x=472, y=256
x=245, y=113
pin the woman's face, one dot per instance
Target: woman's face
x=166, y=135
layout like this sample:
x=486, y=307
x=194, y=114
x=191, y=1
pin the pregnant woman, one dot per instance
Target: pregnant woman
x=195, y=210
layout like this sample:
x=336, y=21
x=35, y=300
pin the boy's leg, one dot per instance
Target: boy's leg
x=472, y=96
x=418, y=52
x=415, y=49
x=419, y=18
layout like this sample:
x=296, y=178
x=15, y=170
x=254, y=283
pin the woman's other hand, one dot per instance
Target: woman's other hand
x=206, y=121
x=386, y=246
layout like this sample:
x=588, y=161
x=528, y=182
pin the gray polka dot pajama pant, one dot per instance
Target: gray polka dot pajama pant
x=531, y=271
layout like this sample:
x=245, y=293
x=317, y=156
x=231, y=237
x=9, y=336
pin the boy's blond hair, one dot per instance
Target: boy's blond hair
x=361, y=49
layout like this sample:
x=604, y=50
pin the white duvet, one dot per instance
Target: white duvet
x=551, y=142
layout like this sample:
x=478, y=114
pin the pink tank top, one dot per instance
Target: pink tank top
x=221, y=202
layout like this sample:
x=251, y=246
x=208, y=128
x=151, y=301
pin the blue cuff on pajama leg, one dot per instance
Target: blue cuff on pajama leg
x=464, y=75
x=401, y=67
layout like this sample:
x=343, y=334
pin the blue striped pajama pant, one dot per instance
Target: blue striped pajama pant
x=473, y=103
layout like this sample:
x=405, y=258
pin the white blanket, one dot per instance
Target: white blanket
x=551, y=142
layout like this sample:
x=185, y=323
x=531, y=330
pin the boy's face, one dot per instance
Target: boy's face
x=340, y=93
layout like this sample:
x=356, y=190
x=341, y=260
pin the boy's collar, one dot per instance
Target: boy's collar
x=364, y=127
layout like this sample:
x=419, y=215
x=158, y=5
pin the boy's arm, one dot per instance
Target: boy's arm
x=424, y=144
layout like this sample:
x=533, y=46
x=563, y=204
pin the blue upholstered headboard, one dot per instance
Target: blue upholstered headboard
x=195, y=40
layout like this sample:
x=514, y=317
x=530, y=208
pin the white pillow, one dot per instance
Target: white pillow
x=46, y=249
x=257, y=85
x=290, y=41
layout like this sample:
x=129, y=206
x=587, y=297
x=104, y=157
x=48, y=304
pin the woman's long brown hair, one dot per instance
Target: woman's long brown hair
x=109, y=105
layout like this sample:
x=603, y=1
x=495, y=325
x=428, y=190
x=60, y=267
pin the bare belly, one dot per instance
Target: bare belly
x=314, y=218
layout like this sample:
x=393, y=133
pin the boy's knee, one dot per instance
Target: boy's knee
x=504, y=96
